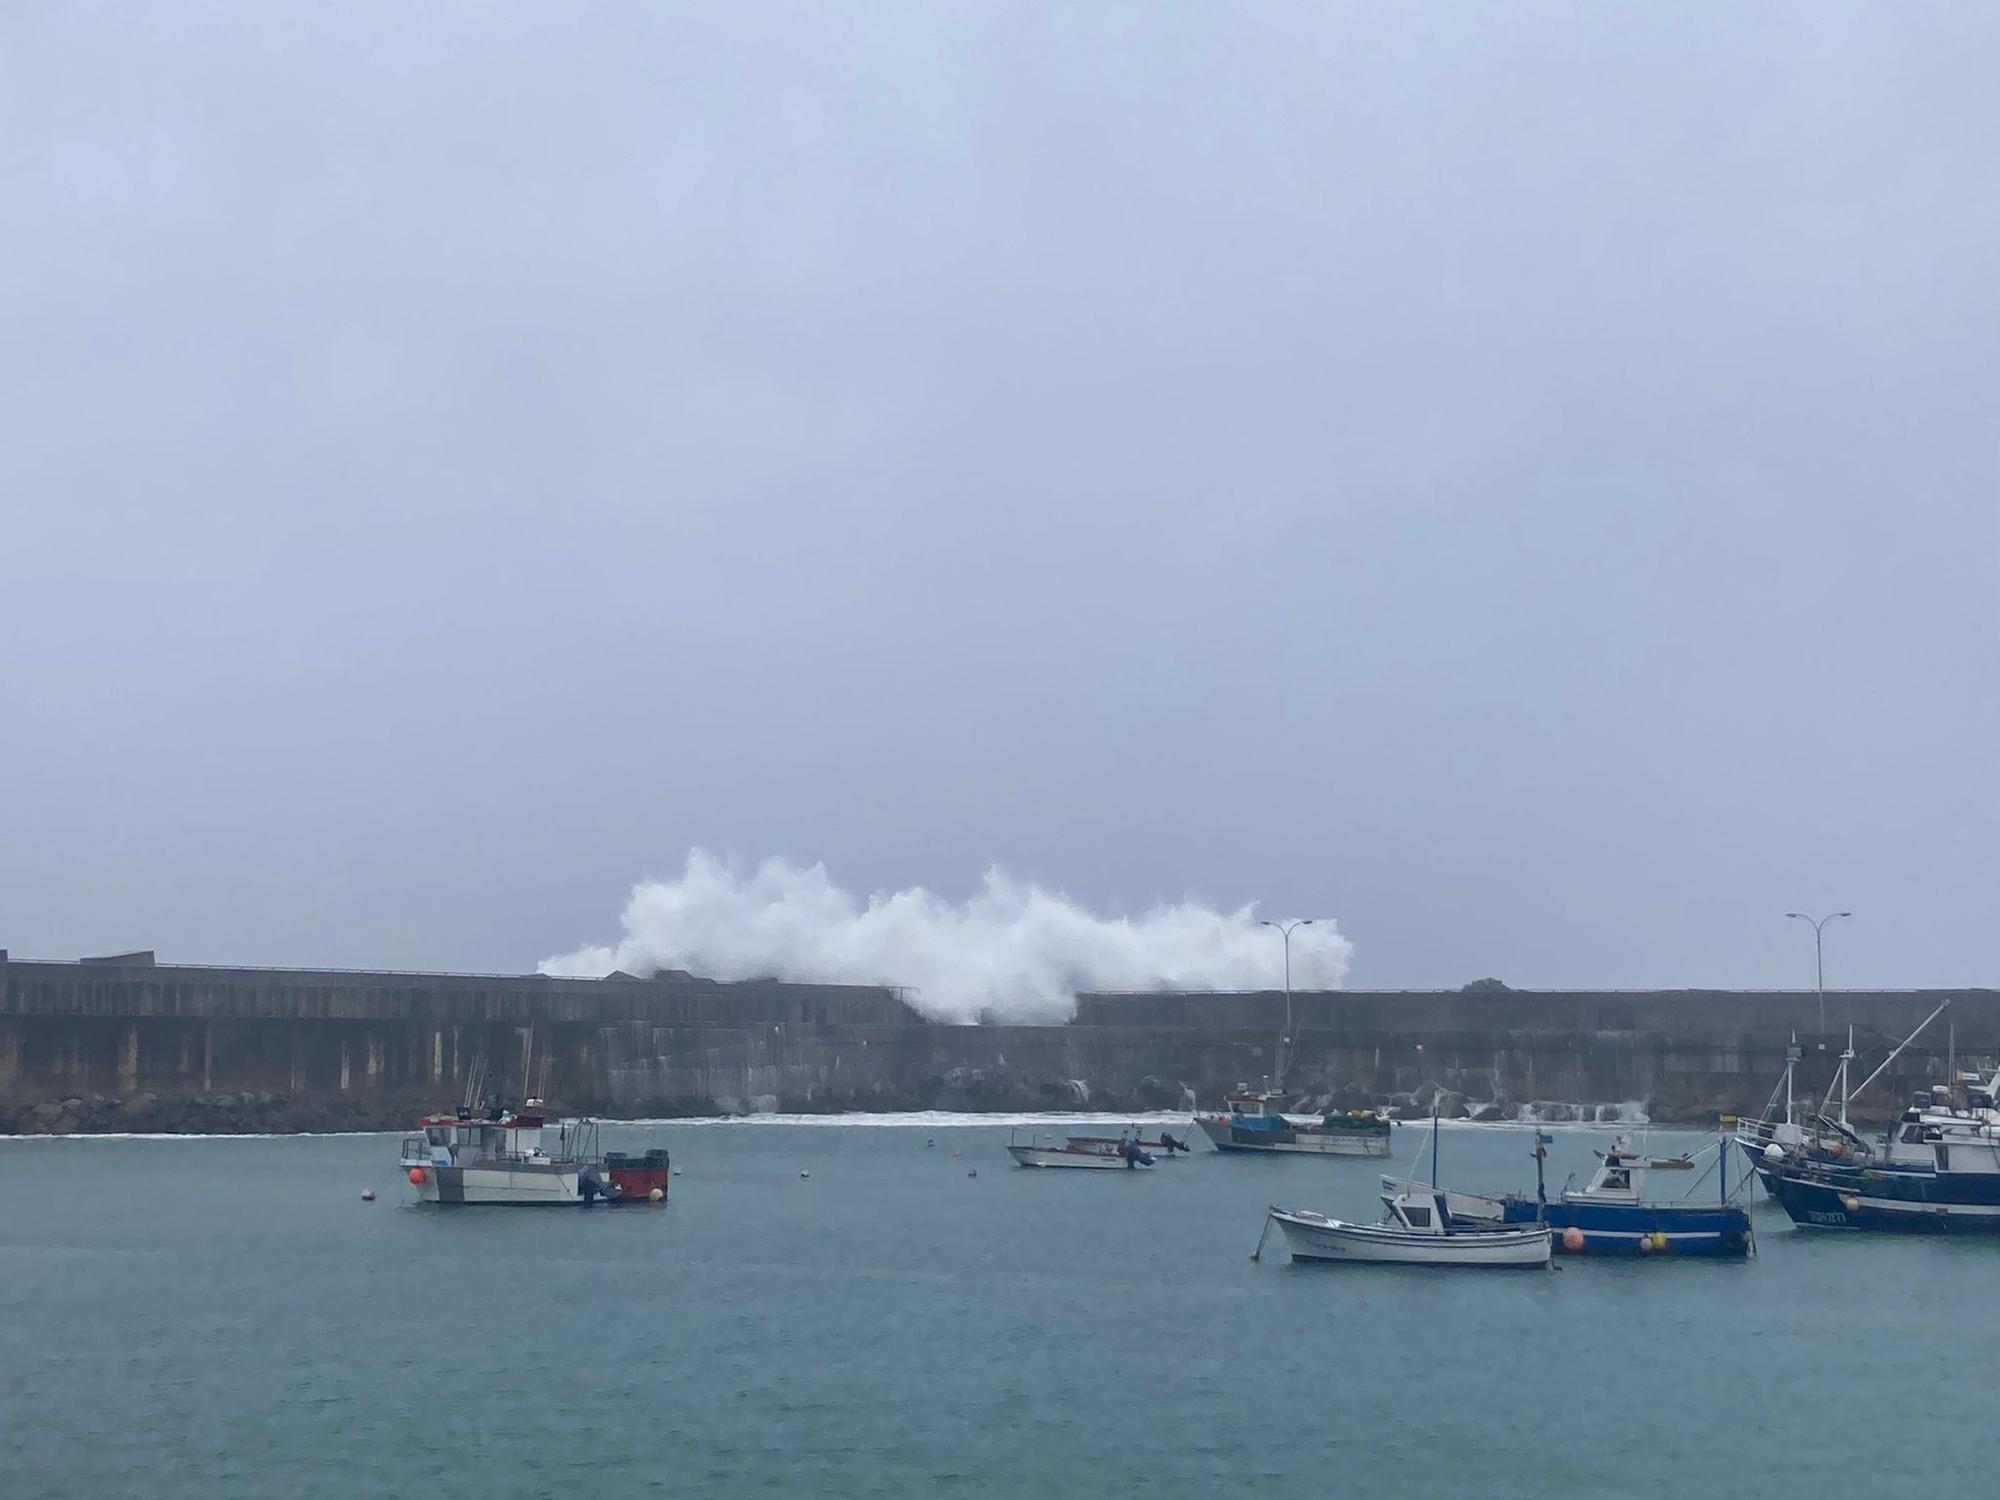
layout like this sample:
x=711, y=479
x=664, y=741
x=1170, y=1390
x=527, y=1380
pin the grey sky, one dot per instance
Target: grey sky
x=1518, y=479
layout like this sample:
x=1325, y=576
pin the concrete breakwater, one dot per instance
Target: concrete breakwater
x=130, y=1045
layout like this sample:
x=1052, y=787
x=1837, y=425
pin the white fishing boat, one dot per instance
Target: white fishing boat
x=1410, y=1235
x=1082, y=1153
x=1418, y=1228
x=512, y=1158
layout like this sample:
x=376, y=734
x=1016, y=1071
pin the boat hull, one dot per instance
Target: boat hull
x=1720, y=1231
x=526, y=1185
x=1268, y=1139
x=1887, y=1199
x=1313, y=1237
x=1088, y=1161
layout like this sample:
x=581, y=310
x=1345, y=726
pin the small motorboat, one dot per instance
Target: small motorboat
x=1614, y=1216
x=1416, y=1230
x=1093, y=1154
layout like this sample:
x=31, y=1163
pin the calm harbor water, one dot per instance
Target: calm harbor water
x=228, y=1318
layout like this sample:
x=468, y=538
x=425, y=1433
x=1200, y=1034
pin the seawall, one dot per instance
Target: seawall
x=133, y=1045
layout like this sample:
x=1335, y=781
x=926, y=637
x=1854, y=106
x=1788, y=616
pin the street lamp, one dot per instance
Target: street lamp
x=1285, y=931
x=1819, y=956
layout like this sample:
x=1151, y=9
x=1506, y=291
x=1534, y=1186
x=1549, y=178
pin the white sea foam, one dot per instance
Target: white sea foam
x=926, y=1119
x=1016, y=951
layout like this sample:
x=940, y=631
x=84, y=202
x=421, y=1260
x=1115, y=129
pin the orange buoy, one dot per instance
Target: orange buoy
x=1573, y=1240
x=416, y=1177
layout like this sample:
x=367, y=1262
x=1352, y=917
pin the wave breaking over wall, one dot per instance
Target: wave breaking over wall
x=1013, y=951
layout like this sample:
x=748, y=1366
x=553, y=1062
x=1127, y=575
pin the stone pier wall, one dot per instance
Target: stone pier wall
x=137, y=1046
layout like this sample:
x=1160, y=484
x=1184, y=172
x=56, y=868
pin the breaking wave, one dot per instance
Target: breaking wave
x=1014, y=951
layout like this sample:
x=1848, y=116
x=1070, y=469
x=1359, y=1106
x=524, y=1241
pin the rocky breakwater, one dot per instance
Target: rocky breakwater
x=222, y=1113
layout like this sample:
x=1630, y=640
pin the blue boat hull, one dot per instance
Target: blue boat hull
x=1717, y=1232
x=1900, y=1201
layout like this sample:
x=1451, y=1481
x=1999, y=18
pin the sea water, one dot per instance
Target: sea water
x=845, y=1309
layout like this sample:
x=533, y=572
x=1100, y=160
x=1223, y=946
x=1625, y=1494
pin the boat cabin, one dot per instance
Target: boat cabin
x=500, y=1135
x=1620, y=1177
x=1252, y=1106
x=1420, y=1207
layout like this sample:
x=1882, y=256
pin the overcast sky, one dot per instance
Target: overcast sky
x=1520, y=480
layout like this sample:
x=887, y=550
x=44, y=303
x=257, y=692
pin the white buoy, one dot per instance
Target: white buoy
x=972, y=1171
x=805, y=1174
x=368, y=1195
x=1774, y=1152
x=658, y=1195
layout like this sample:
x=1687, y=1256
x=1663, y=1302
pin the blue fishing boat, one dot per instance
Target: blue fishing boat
x=1613, y=1216
x=1256, y=1122
x=1907, y=1199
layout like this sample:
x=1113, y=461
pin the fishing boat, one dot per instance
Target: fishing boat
x=1935, y=1172
x=1613, y=1216
x=518, y=1159
x=1827, y=1138
x=1409, y=1235
x=1082, y=1153
x=1255, y=1122
x=1896, y=1198
x=1418, y=1228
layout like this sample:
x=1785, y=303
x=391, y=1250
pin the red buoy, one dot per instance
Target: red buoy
x=416, y=1177
x=1573, y=1239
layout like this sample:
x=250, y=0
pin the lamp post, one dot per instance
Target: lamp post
x=1285, y=931
x=1819, y=956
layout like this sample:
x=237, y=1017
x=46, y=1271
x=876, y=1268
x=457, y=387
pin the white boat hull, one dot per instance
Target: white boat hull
x=1315, y=1145
x=1314, y=1237
x=1055, y=1156
x=499, y=1185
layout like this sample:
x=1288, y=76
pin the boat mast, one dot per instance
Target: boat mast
x=1791, y=1062
x=1892, y=1056
x=1951, y=1061
x=1434, y=1143
x=1845, y=1058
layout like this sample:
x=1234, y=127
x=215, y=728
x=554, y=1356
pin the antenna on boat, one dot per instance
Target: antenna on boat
x=475, y=1081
